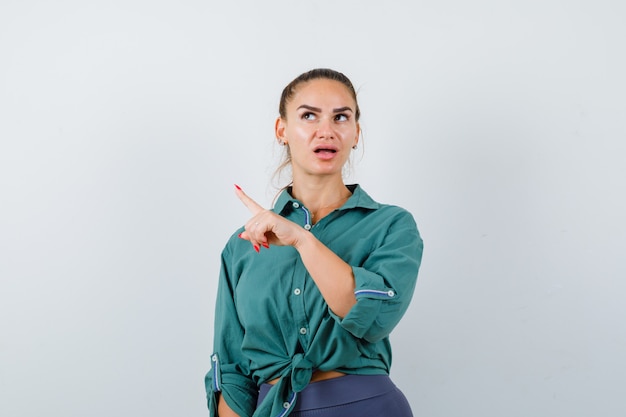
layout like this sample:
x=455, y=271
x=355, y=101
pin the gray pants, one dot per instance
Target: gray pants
x=349, y=396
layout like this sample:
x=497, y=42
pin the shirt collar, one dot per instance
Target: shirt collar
x=358, y=199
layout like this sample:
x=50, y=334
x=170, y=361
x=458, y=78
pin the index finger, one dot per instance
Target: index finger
x=252, y=205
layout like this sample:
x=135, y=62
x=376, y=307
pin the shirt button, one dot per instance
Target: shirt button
x=285, y=405
x=295, y=205
x=391, y=293
x=302, y=330
x=307, y=226
x=214, y=358
x=297, y=291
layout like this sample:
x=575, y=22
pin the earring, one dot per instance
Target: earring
x=355, y=147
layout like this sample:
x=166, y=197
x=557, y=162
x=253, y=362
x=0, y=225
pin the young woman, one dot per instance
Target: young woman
x=310, y=290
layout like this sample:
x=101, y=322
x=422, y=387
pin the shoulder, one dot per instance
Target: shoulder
x=389, y=216
x=233, y=244
x=363, y=200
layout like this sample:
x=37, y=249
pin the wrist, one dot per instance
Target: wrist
x=304, y=240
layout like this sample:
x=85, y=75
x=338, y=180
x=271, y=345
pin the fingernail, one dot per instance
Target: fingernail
x=237, y=187
x=266, y=245
x=239, y=235
x=256, y=248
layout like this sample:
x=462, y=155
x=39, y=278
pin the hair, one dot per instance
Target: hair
x=290, y=90
x=314, y=74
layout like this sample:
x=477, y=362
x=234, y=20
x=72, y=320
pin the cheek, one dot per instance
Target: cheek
x=300, y=132
x=349, y=132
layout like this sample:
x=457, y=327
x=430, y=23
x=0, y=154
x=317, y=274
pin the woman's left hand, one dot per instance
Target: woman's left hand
x=267, y=228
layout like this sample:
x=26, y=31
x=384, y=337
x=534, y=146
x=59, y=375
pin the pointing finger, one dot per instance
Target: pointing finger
x=252, y=205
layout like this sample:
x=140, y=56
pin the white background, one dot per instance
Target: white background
x=500, y=125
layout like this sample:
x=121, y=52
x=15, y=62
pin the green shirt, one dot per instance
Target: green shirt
x=271, y=320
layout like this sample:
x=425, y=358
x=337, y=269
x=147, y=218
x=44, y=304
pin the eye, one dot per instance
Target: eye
x=308, y=116
x=341, y=117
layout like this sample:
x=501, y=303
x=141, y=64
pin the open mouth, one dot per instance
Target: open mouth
x=325, y=150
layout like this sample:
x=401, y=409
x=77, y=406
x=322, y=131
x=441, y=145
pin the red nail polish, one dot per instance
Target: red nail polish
x=237, y=187
x=239, y=235
x=256, y=248
x=266, y=245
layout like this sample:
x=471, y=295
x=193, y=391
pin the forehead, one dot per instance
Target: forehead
x=322, y=92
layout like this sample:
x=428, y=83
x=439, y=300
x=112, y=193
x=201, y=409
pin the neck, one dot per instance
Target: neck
x=321, y=197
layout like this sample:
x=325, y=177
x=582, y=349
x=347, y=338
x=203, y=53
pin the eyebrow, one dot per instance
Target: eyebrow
x=317, y=109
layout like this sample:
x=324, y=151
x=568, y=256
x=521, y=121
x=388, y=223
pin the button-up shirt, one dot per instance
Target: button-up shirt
x=271, y=320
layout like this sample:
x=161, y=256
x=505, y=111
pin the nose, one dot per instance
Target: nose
x=325, y=128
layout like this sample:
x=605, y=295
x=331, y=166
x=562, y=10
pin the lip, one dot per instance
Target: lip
x=325, y=152
x=326, y=147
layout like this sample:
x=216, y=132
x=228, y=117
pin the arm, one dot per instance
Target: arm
x=370, y=298
x=333, y=276
x=230, y=388
x=223, y=410
x=367, y=299
x=385, y=275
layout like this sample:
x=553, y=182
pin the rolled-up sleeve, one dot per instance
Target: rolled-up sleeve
x=385, y=281
x=230, y=370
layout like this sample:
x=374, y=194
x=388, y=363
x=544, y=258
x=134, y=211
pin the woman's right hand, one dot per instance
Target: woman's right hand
x=266, y=227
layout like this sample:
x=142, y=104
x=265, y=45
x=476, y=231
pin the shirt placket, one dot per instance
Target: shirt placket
x=301, y=321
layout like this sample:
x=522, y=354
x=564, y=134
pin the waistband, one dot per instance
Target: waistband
x=338, y=391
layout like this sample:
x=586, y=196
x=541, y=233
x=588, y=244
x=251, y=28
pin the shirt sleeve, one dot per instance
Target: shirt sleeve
x=230, y=370
x=385, y=281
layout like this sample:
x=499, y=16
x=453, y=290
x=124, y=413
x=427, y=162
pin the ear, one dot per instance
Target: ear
x=279, y=130
x=358, y=135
